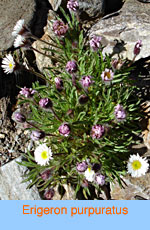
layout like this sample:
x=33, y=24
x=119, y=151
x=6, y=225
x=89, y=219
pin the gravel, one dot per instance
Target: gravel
x=14, y=139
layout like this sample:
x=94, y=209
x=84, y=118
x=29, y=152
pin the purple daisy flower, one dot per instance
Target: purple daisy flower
x=45, y=103
x=58, y=83
x=27, y=92
x=72, y=5
x=107, y=76
x=71, y=67
x=60, y=28
x=82, y=166
x=97, y=131
x=19, y=117
x=95, y=42
x=100, y=179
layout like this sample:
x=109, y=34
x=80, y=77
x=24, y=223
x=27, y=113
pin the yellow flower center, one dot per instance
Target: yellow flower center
x=108, y=75
x=89, y=169
x=10, y=66
x=136, y=165
x=44, y=155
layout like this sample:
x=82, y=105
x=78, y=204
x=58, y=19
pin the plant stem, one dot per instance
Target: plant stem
x=132, y=61
x=47, y=43
x=54, y=59
x=74, y=79
x=41, y=53
x=47, y=134
x=36, y=74
x=53, y=112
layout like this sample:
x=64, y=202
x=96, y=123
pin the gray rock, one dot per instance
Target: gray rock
x=11, y=176
x=89, y=9
x=69, y=193
x=121, y=31
x=41, y=60
x=34, y=12
x=132, y=189
x=56, y=3
x=11, y=12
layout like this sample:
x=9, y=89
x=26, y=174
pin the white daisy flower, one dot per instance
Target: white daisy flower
x=20, y=28
x=21, y=41
x=42, y=154
x=8, y=64
x=89, y=174
x=137, y=166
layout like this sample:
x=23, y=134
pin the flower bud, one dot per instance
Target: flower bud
x=86, y=81
x=85, y=184
x=70, y=113
x=45, y=103
x=117, y=64
x=137, y=47
x=19, y=117
x=95, y=42
x=49, y=194
x=120, y=113
x=96, y=167
x=64, y=130
x=71, y=67
x=46, y=174
x=100, y=179
x=82, y=166
x=37, y=135
x=58, y=83
x=83, y=99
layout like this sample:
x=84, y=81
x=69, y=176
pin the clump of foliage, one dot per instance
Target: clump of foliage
x=85, y=116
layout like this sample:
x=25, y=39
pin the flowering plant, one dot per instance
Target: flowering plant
x=85, y=117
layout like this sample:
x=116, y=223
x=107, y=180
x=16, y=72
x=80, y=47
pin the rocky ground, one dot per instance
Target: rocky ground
x=120, y=26
x=14, y=140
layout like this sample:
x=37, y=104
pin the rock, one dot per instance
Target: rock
x=11, y=176
x=39, y=18
x=137, y=187
x=56, y=3
x=64, y=193
x=41, y=60
x=113, y=5
x=121, y=31
x=34, y=12
x=13, y=141
x=90, y=9
x=133, y=187
x=146, y=124
x=2, y=136
x=11, y=12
